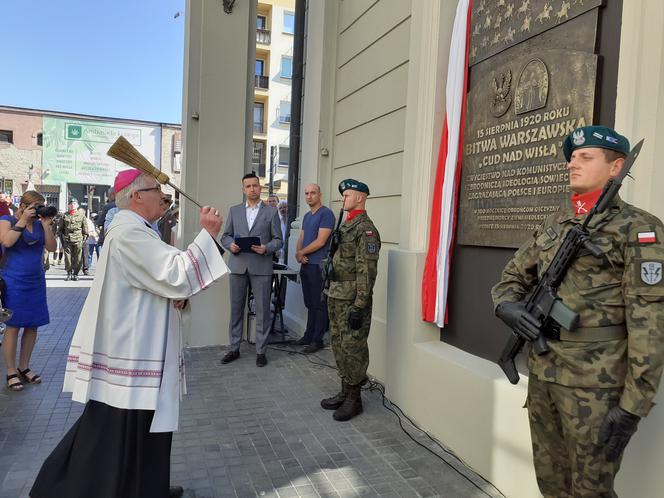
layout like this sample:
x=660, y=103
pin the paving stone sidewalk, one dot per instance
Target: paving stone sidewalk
x=245, y=431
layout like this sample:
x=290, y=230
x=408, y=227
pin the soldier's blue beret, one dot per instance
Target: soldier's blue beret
x=351, y=184
x=594, y=136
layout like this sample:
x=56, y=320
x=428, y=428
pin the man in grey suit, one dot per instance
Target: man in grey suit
x=252, y=218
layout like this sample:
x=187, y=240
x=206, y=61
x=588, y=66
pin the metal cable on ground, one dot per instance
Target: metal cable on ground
x=377, y=386
x=373, y=386
x=291, y=352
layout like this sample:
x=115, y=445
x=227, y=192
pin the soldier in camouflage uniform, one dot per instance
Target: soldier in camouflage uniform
x=587, y=395
x=349, y=299
x=74, y=233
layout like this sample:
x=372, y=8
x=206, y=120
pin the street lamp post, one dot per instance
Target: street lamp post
x=273, y=153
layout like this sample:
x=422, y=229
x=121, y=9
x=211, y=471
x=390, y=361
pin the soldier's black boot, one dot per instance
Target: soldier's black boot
x=337, y=400
x=352, y=405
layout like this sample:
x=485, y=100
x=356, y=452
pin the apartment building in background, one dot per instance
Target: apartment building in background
x=275, y=29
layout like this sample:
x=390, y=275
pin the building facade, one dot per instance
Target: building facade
x=63, y=155
x=21, y=138
x=275, y=25
x=374, y=96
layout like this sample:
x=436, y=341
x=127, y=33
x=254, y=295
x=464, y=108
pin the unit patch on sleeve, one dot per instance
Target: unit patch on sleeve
x=651, y=272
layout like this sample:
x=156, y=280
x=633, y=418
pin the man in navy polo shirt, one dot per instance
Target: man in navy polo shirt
x=312, y=248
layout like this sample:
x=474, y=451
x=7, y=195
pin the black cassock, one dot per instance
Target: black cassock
x=108, y=453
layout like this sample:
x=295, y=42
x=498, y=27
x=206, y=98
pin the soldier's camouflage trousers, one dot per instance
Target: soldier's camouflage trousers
x=564, y=426
x=349, y=346
x=73, y=257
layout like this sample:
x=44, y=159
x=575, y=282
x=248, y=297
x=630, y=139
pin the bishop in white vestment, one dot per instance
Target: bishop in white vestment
x=125, y=359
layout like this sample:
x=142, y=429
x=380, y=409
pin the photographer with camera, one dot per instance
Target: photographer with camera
x=24, y=237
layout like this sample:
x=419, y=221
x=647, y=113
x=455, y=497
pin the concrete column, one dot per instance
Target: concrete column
x=427, y=76
x=640, y=99
x=640, y=114
x=216, y=126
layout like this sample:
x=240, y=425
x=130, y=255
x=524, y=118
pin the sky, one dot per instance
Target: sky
x=112, y=58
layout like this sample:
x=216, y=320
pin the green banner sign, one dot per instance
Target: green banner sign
x=75, y=151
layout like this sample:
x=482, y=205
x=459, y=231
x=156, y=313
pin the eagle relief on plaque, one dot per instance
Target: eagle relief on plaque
x=532, y=82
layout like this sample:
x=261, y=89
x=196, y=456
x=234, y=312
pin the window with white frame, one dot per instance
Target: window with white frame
x=289, y=23
x=286, y=66
x=284, y=112
x=177, y=153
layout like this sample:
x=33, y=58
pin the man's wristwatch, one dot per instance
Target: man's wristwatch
x=17, y=228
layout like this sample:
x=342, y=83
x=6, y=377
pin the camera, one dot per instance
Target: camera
x=46, y=211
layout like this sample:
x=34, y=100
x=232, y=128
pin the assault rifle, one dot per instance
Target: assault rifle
x=328, y=268
x=543, y=302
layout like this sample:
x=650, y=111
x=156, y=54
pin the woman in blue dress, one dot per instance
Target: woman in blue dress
x=23, y=238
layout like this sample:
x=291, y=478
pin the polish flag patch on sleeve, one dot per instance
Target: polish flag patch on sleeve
x=647, y=237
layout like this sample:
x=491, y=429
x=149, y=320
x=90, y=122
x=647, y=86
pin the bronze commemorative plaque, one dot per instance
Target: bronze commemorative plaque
x=521, y=105
x=500, y=24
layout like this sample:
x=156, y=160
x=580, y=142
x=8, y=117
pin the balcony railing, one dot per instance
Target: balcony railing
x=261, y=81
x=263, y=36
x=258, y=128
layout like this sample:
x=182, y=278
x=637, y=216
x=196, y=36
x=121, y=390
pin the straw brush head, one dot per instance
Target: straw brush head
x=124, y=152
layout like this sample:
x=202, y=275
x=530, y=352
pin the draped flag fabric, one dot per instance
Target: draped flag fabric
x=443, y=214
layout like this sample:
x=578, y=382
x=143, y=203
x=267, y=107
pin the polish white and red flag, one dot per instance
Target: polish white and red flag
x=443, y=214
x=647, y=237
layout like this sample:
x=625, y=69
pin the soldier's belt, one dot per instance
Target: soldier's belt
x=589, y=334
x=342, y=277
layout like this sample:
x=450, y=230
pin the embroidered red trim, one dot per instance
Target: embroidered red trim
x=197, y=269
x=123, y=372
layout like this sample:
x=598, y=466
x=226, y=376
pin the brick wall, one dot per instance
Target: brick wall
x=17, y=157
